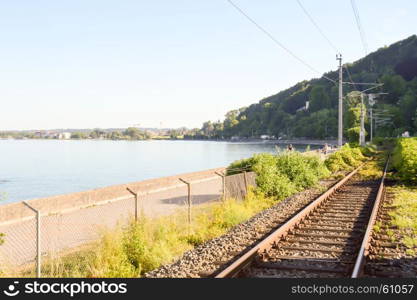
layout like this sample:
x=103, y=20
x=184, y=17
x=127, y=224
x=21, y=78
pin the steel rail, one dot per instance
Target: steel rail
x=364, y=250
x=264, y=245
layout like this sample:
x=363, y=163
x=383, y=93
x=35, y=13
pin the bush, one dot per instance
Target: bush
x=317, y=166
x=368, y=150
x=405, y=159
x=349, y=156
x=275, y=184
x=270, y=179
x=345, y=159
x=335, y=162
x=357, y=154
x=302, y=171
x=379, y=141
x=239, y=165
x=284, y=174
x=353, y=134
x=384, y=143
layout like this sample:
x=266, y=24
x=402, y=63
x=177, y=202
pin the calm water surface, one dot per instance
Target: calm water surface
x=40, y=168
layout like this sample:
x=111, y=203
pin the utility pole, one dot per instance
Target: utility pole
x=372, y=124
x=371, y=102
x=340, y=127
x=362, y=128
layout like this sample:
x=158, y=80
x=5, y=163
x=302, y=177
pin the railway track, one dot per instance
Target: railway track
x=328, y=238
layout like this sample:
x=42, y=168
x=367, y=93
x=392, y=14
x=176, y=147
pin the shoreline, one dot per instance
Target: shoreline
x=241, y=141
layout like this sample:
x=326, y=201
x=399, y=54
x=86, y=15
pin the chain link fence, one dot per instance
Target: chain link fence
x=35, y=231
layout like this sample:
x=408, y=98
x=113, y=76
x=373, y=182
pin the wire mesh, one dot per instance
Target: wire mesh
x=164, y=202
x=237, y=185
x=70, y=230
x=19, y=245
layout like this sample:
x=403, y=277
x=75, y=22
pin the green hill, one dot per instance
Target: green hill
x=395, y=66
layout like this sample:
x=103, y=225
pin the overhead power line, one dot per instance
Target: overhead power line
x=317, y=26
x=364, y=83
x=276, y=41
x=359, y=25
x=350, y=77
x=323, y=35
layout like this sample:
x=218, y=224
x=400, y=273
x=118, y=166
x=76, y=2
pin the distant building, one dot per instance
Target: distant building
x=405, y=134
x=305, y=107
x=64, y=135
x=51, y=135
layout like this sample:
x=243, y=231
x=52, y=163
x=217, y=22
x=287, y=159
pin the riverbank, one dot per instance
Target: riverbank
x=256, y=141
x=235, y=141
x=287, y=142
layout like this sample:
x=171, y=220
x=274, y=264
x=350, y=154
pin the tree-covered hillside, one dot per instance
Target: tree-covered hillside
x=394, y=66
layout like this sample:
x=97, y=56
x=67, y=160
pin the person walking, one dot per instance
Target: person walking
x=325, y=148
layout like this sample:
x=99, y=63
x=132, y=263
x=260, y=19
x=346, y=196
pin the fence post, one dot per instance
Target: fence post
x=136, y=202
x=223, y=176
x=38, y=239
x=189, y=199
x=246, y=181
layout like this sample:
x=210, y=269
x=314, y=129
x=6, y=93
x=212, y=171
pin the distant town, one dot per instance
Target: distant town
x=130, y=133
x=136, y=133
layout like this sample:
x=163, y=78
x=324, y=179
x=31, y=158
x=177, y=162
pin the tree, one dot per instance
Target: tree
x=353, y=115
x=208, y=129
x=395, y=86
x=353, y=134
x=96, y=133
x=174, y=133
x=408, y=106
x=78, y=135
x=319, y=99
x=115, y=135
x=415, y=121
x=218, y=128
x=231, y=122
x=135, y=134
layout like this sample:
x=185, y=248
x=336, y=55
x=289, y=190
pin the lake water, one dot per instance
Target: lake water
x=40, y=168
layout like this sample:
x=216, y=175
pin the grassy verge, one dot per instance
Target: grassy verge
x=403, y=214
x=403, y=209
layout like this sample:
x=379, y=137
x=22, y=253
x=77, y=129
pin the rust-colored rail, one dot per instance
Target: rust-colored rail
x=246, y=259
x=364, y=250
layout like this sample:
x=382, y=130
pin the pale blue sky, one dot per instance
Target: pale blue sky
x=102, y=63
